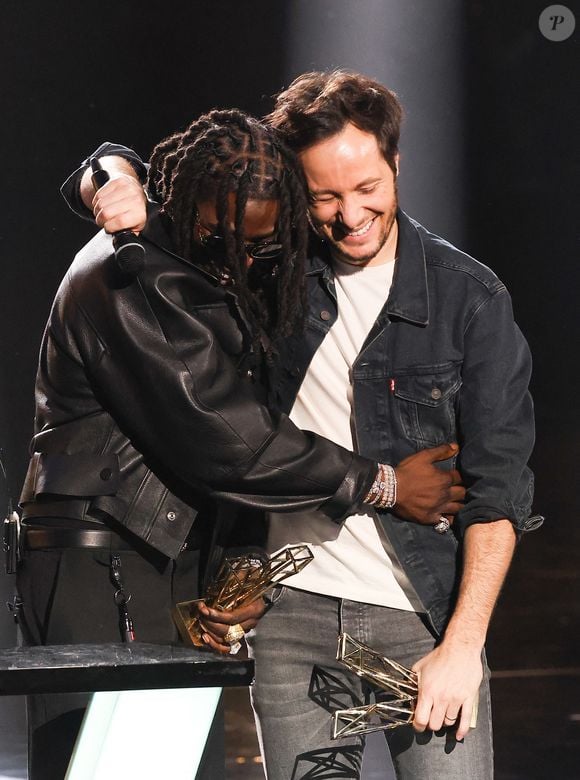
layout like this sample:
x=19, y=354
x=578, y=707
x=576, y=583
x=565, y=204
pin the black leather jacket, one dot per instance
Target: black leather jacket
x=141, y=412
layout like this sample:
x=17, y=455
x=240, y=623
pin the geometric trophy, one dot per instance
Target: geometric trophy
x=396, y=680
x=400, y=683
x=239, y=581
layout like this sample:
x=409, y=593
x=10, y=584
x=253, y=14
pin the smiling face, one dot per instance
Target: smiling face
x=353, y=196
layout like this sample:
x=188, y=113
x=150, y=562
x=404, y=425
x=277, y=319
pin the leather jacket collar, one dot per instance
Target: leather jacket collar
x=157, y=232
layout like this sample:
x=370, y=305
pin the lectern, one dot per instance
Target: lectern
x=152, y=705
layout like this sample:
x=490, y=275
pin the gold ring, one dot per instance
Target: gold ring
x=234, y=634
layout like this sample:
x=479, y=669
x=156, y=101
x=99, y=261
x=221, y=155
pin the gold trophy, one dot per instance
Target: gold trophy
x=239, y=581
x=398, y=709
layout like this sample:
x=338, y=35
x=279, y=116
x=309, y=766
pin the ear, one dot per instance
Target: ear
x=397, y=158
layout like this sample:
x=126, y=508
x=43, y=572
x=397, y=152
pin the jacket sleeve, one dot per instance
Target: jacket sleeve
x=496, y=424
x=70, y=189
x=161, y=374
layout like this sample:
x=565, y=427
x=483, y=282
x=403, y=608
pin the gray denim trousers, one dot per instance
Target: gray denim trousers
x=299, y=684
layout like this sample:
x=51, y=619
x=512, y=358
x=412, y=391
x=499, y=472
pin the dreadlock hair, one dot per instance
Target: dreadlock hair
x=224, y=152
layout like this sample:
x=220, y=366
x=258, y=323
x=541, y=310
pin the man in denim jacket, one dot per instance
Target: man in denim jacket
x=438, y=358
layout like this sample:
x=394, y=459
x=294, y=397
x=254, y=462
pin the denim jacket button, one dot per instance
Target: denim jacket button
x=436, y=394
x=325, y=315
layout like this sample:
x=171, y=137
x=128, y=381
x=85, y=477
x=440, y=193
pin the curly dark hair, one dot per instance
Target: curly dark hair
x=319, y=104
x=224, y=152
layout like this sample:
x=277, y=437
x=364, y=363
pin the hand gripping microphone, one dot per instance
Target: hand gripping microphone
x=129, y=251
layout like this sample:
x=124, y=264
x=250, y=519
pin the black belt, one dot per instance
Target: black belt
x=50, y=538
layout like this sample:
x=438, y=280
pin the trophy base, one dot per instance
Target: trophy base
x=186, y=617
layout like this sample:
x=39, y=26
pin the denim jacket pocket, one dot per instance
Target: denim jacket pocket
x=425, y=400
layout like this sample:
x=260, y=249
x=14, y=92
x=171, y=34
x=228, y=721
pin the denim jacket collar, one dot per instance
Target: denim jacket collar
x=408, y=299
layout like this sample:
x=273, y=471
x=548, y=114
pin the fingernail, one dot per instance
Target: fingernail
x=205, y=638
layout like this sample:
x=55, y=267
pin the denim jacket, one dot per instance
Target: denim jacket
x=443, y=362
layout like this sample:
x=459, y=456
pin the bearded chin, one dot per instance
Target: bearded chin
x=341, y=254
x=361, y=259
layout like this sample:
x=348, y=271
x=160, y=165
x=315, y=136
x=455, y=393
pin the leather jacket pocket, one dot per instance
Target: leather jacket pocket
x=80, y=474
x=221, y=319
x=425, y=400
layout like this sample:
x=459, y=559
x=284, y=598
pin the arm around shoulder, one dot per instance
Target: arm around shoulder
x=78, y=190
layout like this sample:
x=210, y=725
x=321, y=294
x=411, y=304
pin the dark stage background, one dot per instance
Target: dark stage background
x=489, y=160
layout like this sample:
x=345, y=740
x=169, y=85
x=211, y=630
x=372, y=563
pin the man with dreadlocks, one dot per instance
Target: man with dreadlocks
x=147, y=418
x=260, y=169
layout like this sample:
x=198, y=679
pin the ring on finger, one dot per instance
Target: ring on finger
x=442, y=526
x=234, y=634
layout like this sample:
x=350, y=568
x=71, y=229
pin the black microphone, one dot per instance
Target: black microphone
x=129, y=251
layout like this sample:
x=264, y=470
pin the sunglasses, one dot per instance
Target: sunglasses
x=257, y=250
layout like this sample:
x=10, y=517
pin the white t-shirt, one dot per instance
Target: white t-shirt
x=353, y=560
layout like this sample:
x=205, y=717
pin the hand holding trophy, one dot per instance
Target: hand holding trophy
x=396, y=708
x=238, y=582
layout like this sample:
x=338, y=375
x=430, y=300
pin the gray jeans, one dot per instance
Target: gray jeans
x=299, y=684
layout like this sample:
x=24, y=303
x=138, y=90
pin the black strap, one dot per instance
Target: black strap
x=121, y=599
x=51, y=538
